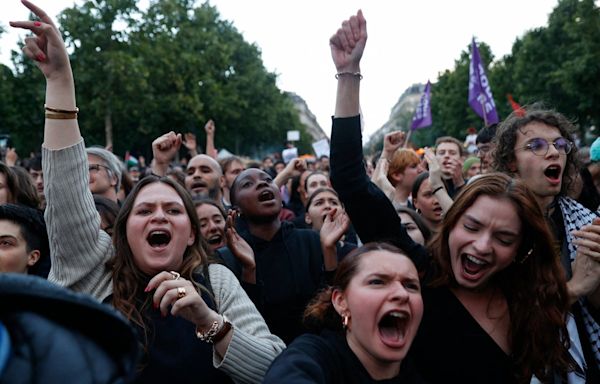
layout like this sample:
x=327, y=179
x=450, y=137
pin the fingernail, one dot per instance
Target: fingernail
x=37, y=24
x=146, y=289
x=155, y=305
x=41, y=57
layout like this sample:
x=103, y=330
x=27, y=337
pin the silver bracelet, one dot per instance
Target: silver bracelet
x=355, y=74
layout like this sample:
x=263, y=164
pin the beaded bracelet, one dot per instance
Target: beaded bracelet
x=355, y=74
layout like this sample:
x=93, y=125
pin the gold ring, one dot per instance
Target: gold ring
x=180, y=292
x=175, y=275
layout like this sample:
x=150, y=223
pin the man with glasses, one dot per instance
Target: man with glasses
x=105, y=173
x=485, y=147
x=536, y=146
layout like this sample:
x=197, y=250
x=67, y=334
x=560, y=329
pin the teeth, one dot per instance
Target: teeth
x=475, y=261
x=159, y=233
x=399, y=315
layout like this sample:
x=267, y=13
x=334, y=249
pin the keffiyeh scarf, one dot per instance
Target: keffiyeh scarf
x=576, y=216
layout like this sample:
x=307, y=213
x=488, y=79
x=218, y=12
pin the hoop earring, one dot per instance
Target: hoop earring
x=345, y=320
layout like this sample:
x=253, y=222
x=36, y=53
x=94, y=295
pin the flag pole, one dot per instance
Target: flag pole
x=484, y=112
x=407, y=139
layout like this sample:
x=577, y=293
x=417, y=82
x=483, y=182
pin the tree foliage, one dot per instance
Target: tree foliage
x=558, y=65
x=171, y=67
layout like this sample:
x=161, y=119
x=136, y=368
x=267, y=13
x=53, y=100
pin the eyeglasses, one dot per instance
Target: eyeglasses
x=93, y=168
x=540, y=147
x=483, y=149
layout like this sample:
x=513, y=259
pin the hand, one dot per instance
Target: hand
x=348, y=44
x=142, y=161
x=335, y=225
x=210, y=128
x=11, y=157
x=295, y=165
x=435, y=171
x=191, y=306
x=237, y=245
x=165, y=147
x=46, y=48
x=457, y=175
x=391, y=142
x=586, y=267
x=189, y=140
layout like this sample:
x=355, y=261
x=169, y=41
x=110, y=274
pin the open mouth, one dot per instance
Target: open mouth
x=472, y=266
x=159, y=239
x=393, y=326
x=215, y=240
x=553, y=173
x=266, y=196
x=198, y=185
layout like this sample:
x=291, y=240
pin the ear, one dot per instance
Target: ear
x=512, y=166
x=192, y=238
x=338, y=299
x=307, y=219
x=222, y=183
x=33, y=257
x=113, y=180
x=397, y=177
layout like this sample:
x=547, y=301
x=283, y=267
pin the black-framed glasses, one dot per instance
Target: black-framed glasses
x=540, y=146
x=93, y=168
x=483, y=149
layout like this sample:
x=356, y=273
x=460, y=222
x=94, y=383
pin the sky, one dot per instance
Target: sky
x=408, y=41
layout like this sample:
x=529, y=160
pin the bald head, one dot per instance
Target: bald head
x=204, y=177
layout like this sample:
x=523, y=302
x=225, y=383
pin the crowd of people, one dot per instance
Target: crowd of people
x=476, y=262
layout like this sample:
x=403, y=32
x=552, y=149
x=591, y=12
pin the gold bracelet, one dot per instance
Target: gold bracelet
x=47, y=108
x=61, y=116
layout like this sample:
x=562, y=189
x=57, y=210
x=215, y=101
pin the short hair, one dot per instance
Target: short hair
x=487, y=134
x=226, y=162
x=33, y=228
x=313, y=173
x=112, y=162
x=318, y=191
x=449, y=139
x=506, y=139
x=402, y=158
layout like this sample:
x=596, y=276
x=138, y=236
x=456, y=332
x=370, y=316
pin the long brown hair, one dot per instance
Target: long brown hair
x=320, y=313
x=128, y=280
x=534, y=284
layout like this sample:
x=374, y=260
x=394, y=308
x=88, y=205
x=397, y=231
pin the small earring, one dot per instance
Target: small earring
x=345, y=320
x=526, y=256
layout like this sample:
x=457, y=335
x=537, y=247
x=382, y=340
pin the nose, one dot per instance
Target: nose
x=399, y=291
x=552, y=151
x=483, y=244
x=212, y=227
x=159, y=215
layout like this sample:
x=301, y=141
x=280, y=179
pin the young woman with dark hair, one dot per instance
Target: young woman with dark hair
x=495, y=297
x=365, y=323
x=194, y=319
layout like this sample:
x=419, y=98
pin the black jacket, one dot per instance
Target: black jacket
x=53, y=335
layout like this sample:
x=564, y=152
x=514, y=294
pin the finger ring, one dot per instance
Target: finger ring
x=180, y=292
x=175, y=275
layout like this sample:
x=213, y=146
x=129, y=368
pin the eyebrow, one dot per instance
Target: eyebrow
x=503, y=232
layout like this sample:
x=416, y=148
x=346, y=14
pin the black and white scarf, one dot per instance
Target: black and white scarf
x=576, y=216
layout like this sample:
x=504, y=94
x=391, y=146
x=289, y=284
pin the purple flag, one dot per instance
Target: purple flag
x=480, y=93
x=422, y=117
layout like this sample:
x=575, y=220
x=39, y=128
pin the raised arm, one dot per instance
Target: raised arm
x=370, y=211
x=78, y=248
x=210, y=129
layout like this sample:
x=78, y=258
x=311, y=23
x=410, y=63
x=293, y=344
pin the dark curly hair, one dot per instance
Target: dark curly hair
x=506, y=138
